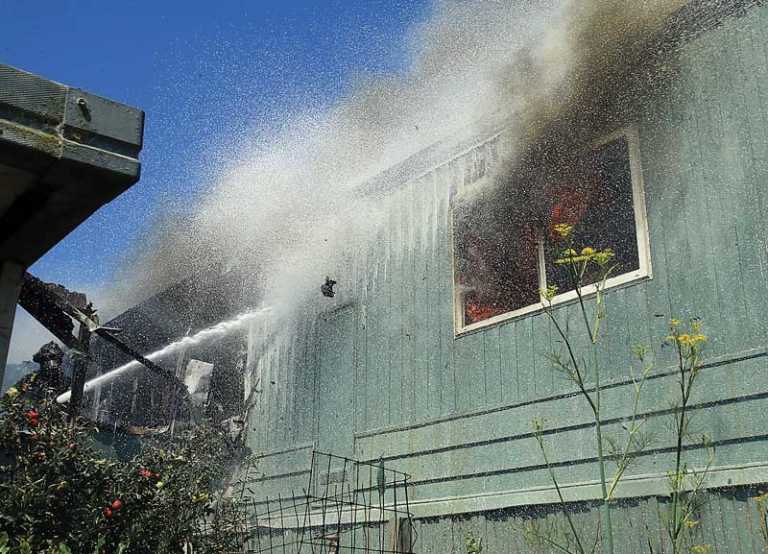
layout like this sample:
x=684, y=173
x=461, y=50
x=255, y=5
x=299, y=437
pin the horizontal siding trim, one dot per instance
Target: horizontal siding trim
x=714, y=362
x=298, y=448
x=286, y=475
x=634, y=486
x=579, y=427
x=727, y=446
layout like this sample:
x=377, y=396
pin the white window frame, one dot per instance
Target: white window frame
x=643, y=272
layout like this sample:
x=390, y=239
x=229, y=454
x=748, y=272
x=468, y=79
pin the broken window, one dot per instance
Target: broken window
x=504, y=240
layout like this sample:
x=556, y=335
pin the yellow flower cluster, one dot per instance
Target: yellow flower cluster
x=692, y=339
x=691, y=523
x=563, y=229
x=603, y=256
x=548, y=293
x=570, y=256
x=701, y=549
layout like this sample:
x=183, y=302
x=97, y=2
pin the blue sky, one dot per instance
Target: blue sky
x=202, y=71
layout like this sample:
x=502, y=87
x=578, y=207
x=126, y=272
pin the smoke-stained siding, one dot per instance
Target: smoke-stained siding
x=456, y=412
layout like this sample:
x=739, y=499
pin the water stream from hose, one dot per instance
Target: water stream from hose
x=201, y=337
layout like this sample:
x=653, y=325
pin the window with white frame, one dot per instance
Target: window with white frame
x=505, y=243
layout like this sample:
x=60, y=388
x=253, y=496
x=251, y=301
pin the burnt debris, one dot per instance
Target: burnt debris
x=327, y=288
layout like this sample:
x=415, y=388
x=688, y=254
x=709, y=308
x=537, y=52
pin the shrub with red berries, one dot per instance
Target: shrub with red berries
x=60, y=492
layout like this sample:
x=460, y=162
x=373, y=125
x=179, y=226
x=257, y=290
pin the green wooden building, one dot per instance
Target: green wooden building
x=432, y=360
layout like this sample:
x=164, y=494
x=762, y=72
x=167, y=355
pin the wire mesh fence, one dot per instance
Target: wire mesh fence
x=346, y=506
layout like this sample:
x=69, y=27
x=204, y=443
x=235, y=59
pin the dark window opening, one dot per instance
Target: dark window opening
x=505, y=244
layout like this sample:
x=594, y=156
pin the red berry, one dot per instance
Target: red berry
x=117, y=504
x=32, y=416
x=144, y=472
x=107, y=512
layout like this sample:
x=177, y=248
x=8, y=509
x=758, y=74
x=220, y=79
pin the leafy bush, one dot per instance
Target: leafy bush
x=60, y=493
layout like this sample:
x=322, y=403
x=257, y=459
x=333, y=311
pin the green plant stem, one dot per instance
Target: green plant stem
x=577, y=273
x=552, y=543
x=631, y=431
x=675, y=525
x=595, y=407
x=577, y=370
x=686, y=385
x=552, y=476
x=577, y=277
x=601, y=462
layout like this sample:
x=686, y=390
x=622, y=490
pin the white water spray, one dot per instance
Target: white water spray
x=217, y=331
x=287, y=207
